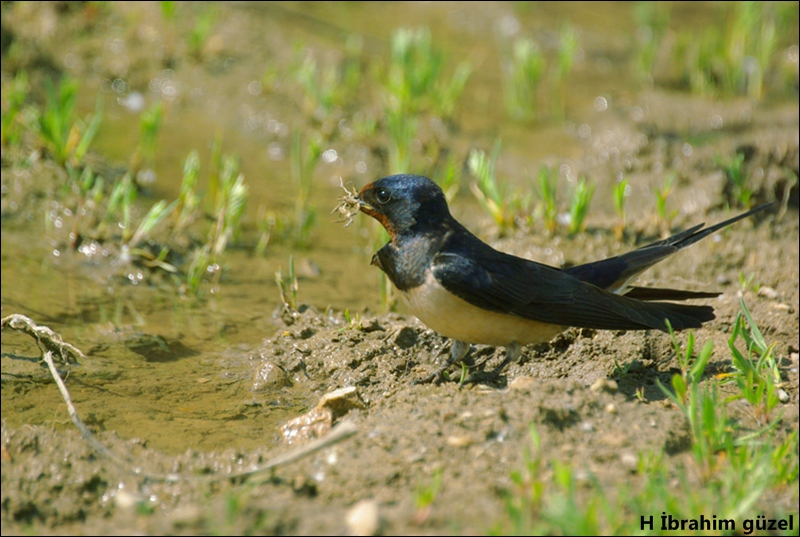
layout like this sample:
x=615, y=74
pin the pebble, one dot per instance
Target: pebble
x=767, y=292
x=319, y=420
x=783, y=397
x=269, y=376
x=523, y=383
x=459, y=441
x=604, y=385
x=629, y=460
x=363, y=518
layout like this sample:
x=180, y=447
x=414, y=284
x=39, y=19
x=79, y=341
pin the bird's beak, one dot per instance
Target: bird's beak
x=364, y=205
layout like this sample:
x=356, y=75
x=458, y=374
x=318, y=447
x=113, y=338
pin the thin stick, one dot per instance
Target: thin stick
x=44, y=336
x=343, y=430
x=73, y=413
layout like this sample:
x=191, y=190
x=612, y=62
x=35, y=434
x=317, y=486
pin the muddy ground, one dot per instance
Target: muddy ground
x=474, y=437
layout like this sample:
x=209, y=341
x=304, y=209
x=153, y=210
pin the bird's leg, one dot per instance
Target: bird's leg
x=513, y=352
x=458, y=351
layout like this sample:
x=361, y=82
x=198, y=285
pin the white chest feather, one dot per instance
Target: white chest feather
x=458, y=319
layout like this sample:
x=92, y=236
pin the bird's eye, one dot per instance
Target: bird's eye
x=383, y=195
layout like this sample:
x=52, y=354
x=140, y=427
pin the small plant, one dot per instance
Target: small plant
x=228, y=208
x=621, y=192
x=425, y=496
x=748, y=283
x=201, y=31
x=662, y=194
x=304, y=157
x=757, y=375
x=652, y=20
x=737, y=179
x=711, y=429
x=415, y=80
x=320, y=86
x=288, y=289
x=231, y=201
x=66, y=138
x=120, y=201
x=738, y=56
x=579, y=199
x=401, y=128
x=522, y=74
x=188, y=198
x=567, y=50
x=449, y=177
x=149, y=126
x=14, y=97
x=547, y=182
x=491, y=193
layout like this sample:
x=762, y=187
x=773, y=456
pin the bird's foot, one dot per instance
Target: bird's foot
x=513, y=352
x=457, y=353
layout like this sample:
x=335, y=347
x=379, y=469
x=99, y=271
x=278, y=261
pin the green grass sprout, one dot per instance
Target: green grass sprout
x=579, y=199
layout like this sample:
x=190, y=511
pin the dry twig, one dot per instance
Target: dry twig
x=348, y=205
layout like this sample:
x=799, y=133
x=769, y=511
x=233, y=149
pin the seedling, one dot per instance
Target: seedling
x=200, y=32
x=230, y=206
x=149, y=127
x=757, y=375
x=664, y=216
x=425, y=496
x=621, y=192
x=490, y=192
x=449, y=177
x=288, y=289
x=747, y=283
x=401, y=128
x=14, y=97
x=304, y=157
x=547, y=181
x=711, y=429
x=66, y=138
x=737, y=178
x=188, y=198
x=416, y=81
x=522, y=74
x=567, y=49
x=579, y=199
x=652, y=19
x=738, y=56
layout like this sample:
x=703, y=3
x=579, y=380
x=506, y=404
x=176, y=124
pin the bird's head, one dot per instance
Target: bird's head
x=404, y=203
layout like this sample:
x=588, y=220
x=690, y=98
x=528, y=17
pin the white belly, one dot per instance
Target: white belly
x=458, y=319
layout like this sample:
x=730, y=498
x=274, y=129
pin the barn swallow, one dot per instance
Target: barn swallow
x=466, y=290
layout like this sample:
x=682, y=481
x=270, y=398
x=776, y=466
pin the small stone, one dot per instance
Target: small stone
x=363, y=518
x=587, y=426
x=269, y=376
x=767, y=292
x=629, y=460
x=611, y=408
x=783, y=397
x=319, y=420
x=459, y=441
x=523, y=383
x=341, y=401
x=604, y=385
x=723, y=279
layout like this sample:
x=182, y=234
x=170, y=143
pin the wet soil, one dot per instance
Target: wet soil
x=194, y=391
